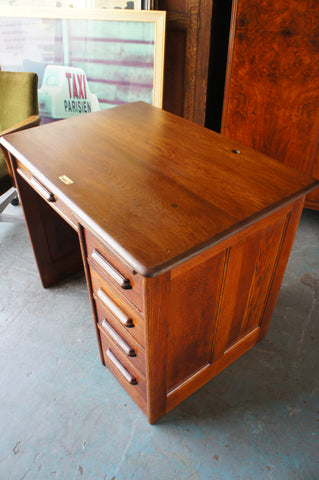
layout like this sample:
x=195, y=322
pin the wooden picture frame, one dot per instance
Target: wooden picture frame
x=86, y=59
x=121, y=4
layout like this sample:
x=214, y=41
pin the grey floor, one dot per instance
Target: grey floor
x=63, y=416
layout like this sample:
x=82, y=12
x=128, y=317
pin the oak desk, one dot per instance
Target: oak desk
x=184, y=236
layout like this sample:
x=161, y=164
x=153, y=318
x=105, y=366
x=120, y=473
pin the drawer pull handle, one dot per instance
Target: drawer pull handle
x=118, y=339
x=120, y=279
x=117, y=312
x=42, y=190
x=128, y=377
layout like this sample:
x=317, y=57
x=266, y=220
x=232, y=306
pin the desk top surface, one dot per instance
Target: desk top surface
x=155, y=187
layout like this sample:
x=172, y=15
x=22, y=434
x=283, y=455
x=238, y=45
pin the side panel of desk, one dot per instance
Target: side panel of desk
x=221, y=302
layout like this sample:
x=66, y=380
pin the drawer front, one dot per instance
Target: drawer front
x=120, y=313
x=121, y=339
x=48, y=196
x=114, y=271
x=125, y=372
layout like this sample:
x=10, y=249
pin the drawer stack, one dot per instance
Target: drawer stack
x=118, y=298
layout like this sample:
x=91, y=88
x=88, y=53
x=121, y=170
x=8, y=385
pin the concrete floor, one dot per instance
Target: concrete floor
x=63, y=416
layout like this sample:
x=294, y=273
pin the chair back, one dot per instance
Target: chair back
x=18, y=97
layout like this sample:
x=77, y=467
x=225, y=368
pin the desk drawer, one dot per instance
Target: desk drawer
x=45, y=193
x=132, y=351
x=114, y=271
x=126, y=373
x=120, y=314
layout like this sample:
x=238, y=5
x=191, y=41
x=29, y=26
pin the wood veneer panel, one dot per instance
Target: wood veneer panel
x=193, y=309
x=271, y=257
x=249, y=273
x=173, y=97
x=289, y=232
x=272, y=96
x=157, y=296
x=187, y=57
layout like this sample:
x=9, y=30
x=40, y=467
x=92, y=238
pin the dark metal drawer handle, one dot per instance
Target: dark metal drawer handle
x=42, y=190
x=117, y=364
x=114, y=309
x=118, y=339
x=120, y=279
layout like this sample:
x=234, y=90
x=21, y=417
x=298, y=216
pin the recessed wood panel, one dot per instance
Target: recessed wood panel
x=174, y=72
x=187, y=57
x=192, y=318
x=249, y=273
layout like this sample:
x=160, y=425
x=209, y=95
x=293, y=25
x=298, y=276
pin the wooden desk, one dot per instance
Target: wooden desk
x=184, y=236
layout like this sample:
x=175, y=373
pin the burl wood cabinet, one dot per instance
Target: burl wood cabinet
x=272, y=84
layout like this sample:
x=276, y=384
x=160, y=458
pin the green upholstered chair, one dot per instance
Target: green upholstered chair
x=18, y=111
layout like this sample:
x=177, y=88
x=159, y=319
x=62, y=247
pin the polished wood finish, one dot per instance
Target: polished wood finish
x=167, y=203
x=184, y=234
x=188, y=33
x=271, y=96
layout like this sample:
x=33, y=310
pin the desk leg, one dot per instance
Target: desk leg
x=157, y=301
x=55, y=243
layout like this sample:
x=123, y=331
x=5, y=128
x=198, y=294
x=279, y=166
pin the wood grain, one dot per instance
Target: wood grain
x=272, y=94
x=193, y=309
x=157, y=300
x=187, y=57
x=171, y=188
x=247, y=293
x=249, y=274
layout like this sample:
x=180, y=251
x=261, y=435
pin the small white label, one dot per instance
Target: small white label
x=66, y=180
